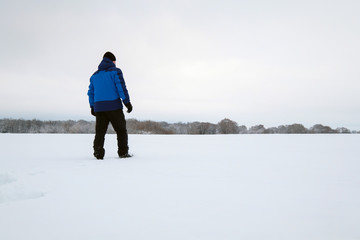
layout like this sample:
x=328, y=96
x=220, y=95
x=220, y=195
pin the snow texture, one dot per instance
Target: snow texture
x=180, y=187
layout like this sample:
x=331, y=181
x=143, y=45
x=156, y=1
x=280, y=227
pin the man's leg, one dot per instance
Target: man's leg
x=118, y=122
x=102, y=123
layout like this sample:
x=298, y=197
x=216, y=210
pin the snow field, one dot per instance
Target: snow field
x=180, y=187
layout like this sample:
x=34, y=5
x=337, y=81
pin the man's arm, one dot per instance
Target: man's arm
x=121, y=87
x=91, y=94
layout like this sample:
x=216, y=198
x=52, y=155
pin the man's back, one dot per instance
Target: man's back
x=107, y=86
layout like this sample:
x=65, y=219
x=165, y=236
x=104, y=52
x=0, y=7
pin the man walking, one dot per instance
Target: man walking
x=107, y=89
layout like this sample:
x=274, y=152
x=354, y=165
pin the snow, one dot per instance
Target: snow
x=180, y=187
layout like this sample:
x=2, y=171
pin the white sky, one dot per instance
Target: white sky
x=255, y=62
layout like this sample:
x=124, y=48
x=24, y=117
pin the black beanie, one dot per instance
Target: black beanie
x=110, y=56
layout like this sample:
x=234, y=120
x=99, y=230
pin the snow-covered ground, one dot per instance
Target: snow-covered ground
x=180, y=187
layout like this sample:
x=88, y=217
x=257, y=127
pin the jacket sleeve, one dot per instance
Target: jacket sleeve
x=91, y=94
x=121, y=87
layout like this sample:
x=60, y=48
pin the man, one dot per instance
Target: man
x=107, y=89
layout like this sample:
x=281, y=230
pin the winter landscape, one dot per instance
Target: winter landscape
x=243, y=119
x=180, y=187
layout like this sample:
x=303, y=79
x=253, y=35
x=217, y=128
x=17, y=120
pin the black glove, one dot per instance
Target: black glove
x=93, y=112
x=129, y=107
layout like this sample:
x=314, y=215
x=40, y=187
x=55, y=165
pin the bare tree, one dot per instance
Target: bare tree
x=343, y=130
x=258, y=129
x=318, y=128
x=227, y=126
x=202, y=128
x=296, y=128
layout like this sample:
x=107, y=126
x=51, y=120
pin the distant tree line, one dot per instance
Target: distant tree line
x=225, y=126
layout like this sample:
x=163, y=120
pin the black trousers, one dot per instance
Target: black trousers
x=117, y=120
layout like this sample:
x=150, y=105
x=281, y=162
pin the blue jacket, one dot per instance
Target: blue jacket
x=107, y=87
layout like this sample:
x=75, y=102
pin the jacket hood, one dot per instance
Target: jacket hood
x=105, y=64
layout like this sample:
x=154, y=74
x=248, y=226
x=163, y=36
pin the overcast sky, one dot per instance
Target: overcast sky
x=255, y=62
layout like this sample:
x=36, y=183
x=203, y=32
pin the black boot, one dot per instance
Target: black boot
x=124, y=155
x=99, y=153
